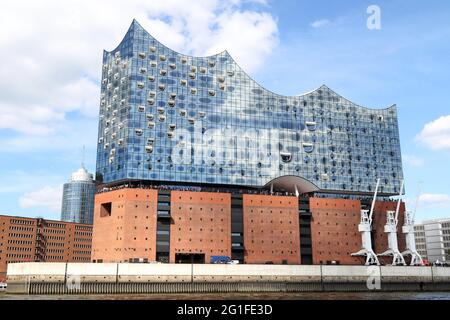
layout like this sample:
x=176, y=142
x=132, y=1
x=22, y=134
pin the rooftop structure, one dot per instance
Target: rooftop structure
x=78, y=198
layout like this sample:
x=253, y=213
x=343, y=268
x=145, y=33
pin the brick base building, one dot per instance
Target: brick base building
x=40, y=240
x=143, y=225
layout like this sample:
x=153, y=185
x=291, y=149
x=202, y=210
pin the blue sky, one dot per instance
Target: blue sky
x=49, y=88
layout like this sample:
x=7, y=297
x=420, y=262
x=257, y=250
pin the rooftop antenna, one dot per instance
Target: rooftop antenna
x=408, y=230
x=365, y=228
x=391, y=230
x=82, y=156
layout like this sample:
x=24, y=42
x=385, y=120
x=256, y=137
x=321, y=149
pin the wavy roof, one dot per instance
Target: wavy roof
x=136, y=24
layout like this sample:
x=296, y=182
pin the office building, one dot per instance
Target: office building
x=40, y=240
x=433, y=239
x=78, y=198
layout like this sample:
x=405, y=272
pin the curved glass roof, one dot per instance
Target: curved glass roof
x=171, y=117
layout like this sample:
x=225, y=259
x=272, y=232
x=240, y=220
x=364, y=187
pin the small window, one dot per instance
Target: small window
x=311, y=125
x=286, y=156
x=148, y=149
x=308, y=147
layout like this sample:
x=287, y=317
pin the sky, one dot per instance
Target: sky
x=51, y=53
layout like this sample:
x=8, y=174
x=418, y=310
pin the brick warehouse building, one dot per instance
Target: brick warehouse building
x=138, y=224
x=39, y=240
x=195, y=159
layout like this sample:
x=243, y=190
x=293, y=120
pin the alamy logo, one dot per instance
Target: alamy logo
x=373, y=281
x=73, y=283
x=374, y=19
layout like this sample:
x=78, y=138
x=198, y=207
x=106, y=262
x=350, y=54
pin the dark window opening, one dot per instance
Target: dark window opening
x=189, y=258
x=106, y=209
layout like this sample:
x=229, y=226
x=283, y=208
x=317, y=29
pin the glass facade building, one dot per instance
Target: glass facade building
x=172, y=118
x=78, y=198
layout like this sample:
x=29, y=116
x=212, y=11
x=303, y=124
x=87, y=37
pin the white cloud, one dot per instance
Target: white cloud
x=51, y=50
x=320, y=23
x=412, y=161
x=47, y=198
x=435, y=200
x=67, y=139
x=436, y=134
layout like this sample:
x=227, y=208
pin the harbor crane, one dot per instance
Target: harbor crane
x=391, y=229
x=365, y=228
x=408, y=230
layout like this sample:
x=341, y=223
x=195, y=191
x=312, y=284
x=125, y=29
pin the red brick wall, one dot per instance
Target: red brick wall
x=81, y=246
x=271, y=229
x=334, y=230
x=130, y=231
x=201, y=223
x=18, y=241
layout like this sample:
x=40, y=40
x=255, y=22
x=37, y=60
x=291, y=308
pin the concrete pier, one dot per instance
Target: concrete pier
x=111, y=278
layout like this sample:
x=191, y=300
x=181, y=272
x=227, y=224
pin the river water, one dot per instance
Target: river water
x=245, y=296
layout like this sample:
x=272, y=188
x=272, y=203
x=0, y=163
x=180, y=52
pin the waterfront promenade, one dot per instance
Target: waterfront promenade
x=134, y=278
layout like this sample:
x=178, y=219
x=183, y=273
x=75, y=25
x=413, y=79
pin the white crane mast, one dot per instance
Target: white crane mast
x=391, y=229
x=408, y=230
x=365, y=228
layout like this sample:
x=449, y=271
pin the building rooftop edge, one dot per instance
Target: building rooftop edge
x=49, y=220
x=323, y=86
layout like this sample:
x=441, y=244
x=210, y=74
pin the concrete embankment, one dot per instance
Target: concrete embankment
x=108, y=278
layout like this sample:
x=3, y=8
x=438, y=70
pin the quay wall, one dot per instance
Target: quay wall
x=108, y=278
